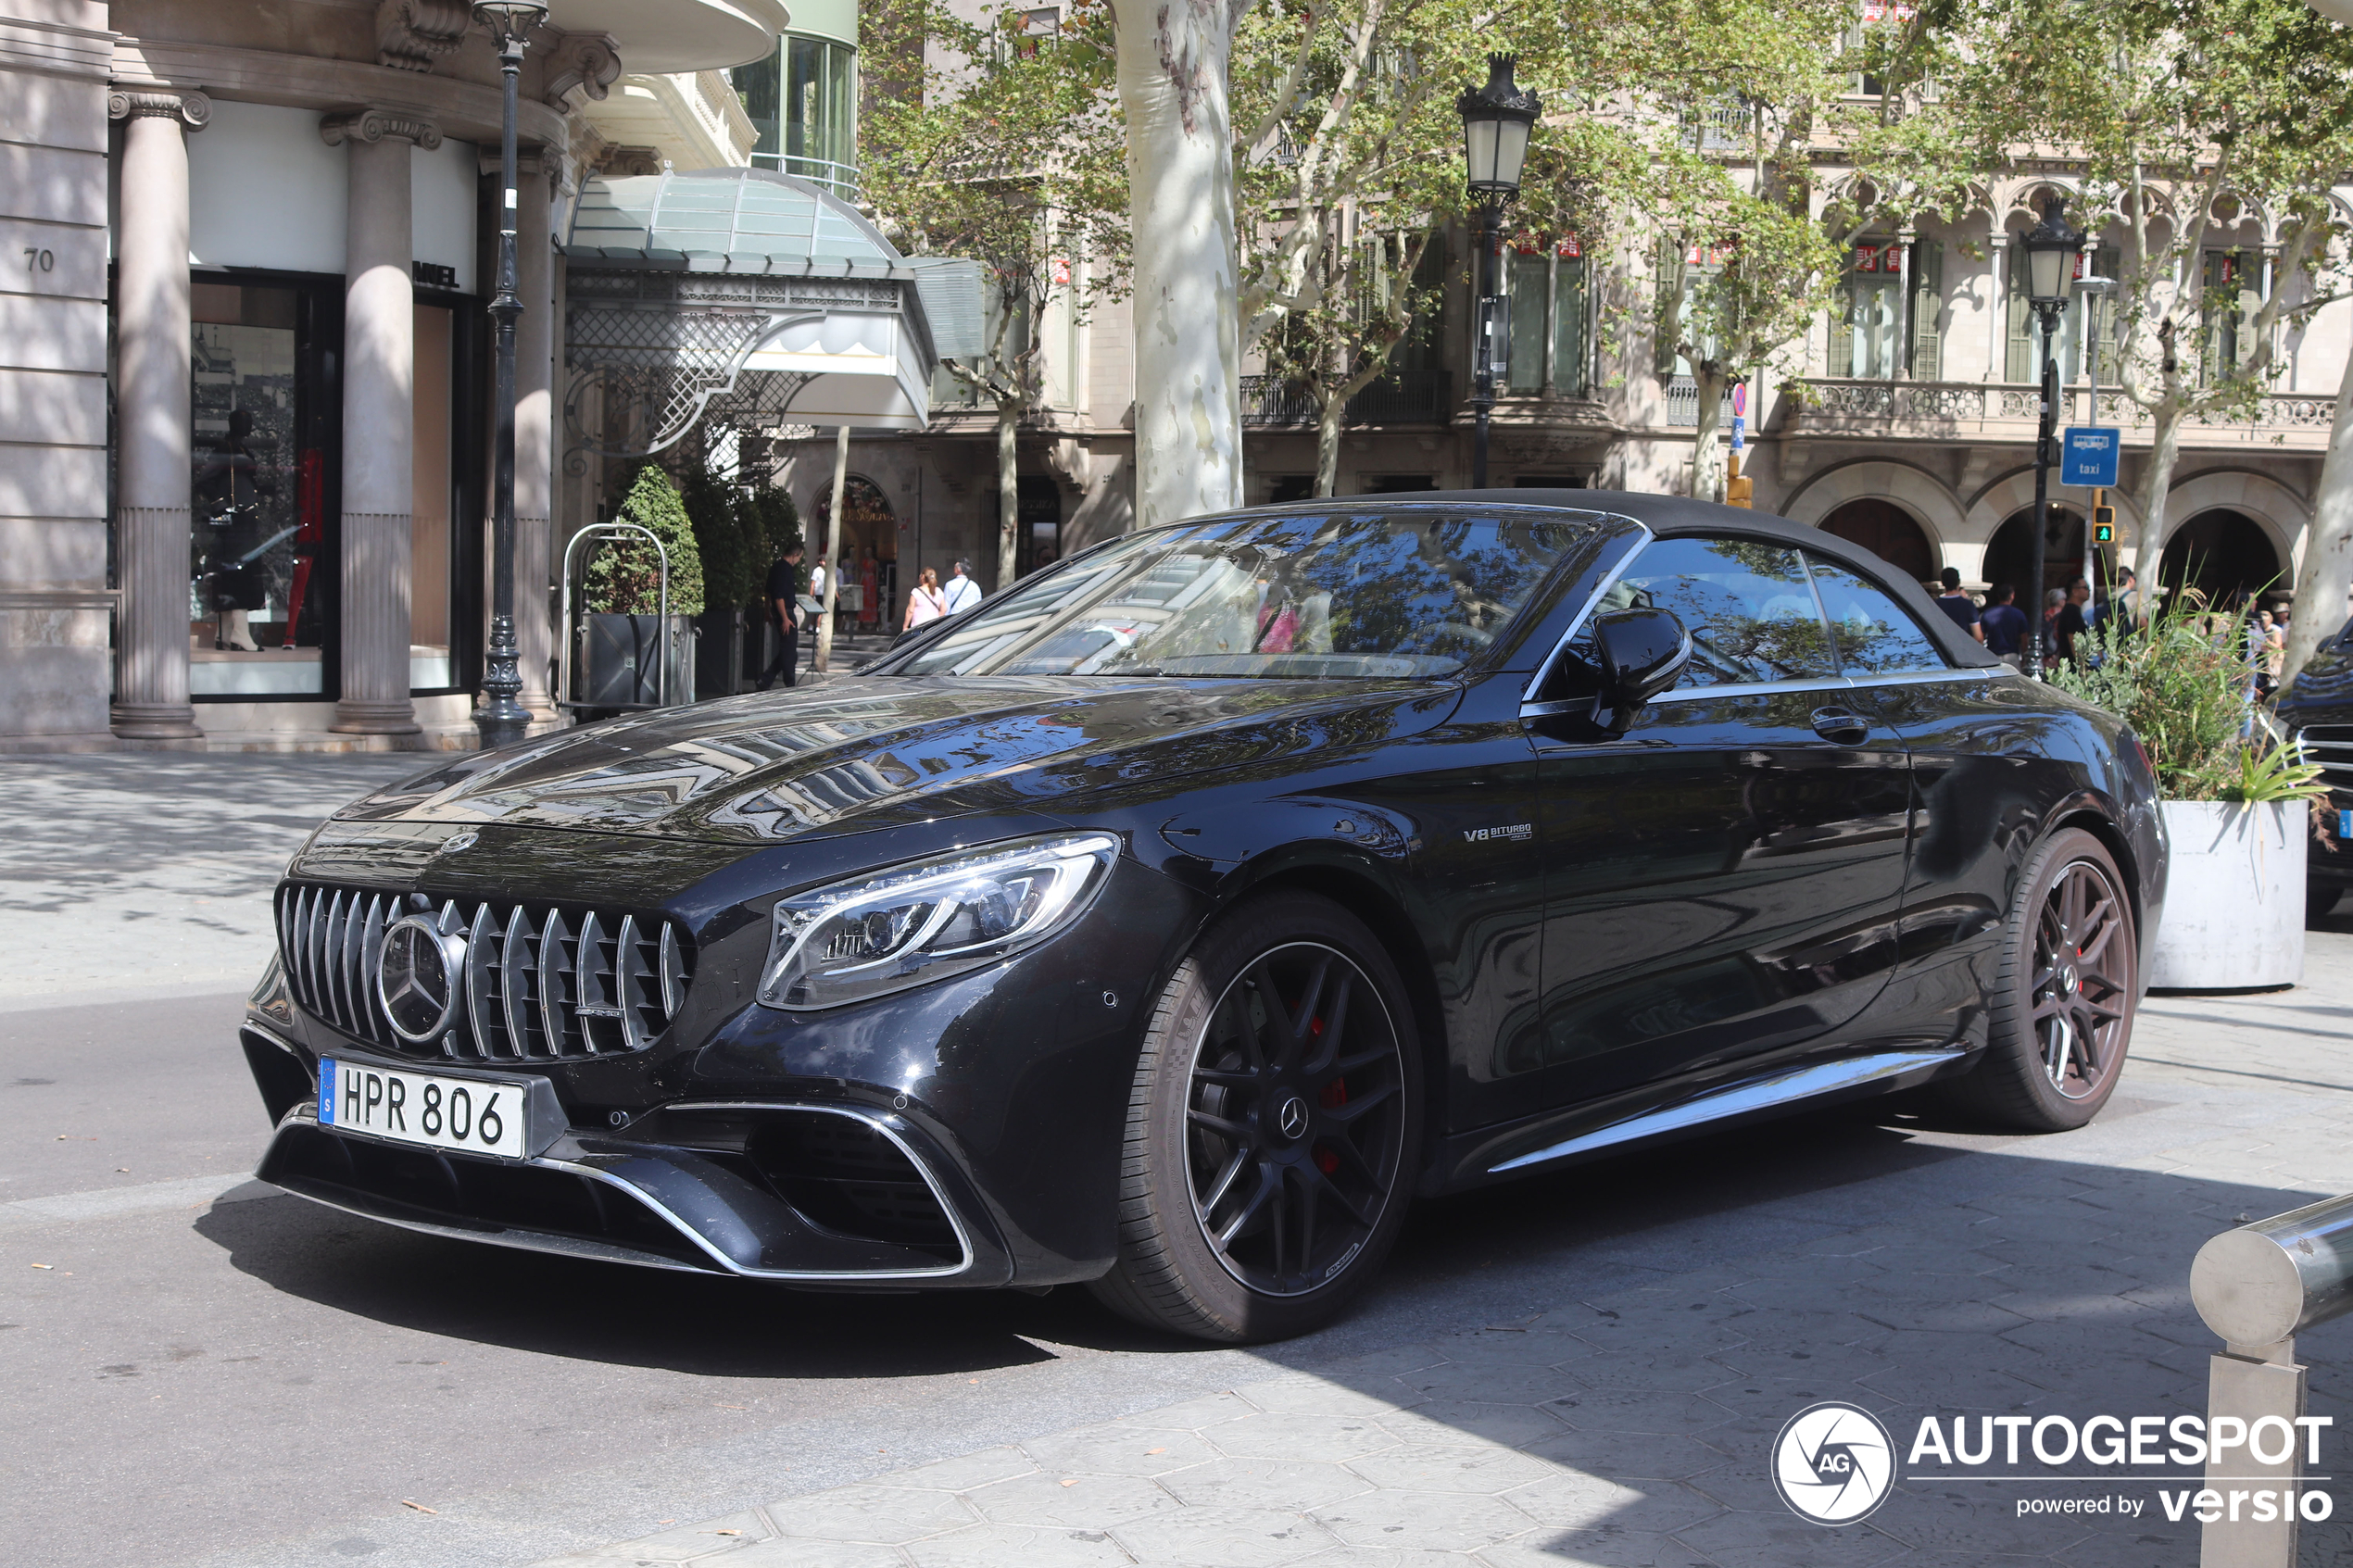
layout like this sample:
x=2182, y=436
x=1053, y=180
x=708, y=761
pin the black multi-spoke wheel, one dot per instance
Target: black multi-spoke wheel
x=1271, y=1132
x=2061, y=1014
x=2082, y=983
x=1296, y=1121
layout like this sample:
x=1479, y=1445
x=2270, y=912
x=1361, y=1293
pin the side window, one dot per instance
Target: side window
x=1875, y=635
x=1747, y=605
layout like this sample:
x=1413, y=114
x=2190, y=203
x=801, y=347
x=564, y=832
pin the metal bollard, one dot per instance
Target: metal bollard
x=2257, y=1288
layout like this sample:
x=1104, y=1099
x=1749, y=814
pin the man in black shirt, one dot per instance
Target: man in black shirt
x=2070, y=627
x=1958, y=607
x=783, y=589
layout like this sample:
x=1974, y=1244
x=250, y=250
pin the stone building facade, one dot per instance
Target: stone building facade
x=244, y=379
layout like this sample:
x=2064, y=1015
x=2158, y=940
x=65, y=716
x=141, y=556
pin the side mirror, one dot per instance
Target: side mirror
x=1643, y=652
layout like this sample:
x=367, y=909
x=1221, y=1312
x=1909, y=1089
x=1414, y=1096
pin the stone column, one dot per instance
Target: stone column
x=379, y=419
x=536, y=334
x=153, y=413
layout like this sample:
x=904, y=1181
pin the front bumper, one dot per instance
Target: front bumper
x=810, y=1195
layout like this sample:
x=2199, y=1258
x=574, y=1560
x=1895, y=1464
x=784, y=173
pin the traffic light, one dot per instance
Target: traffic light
x=2102, y=519
x=1739, y=490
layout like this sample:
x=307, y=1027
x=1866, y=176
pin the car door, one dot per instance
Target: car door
x=1724, y=877
x=1982, y=776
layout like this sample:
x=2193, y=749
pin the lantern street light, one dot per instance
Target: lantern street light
x=1496, y=122
x=2051, y=248
x=502, y=718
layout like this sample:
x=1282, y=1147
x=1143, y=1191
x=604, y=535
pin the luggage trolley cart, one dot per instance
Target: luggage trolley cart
x=666, y=655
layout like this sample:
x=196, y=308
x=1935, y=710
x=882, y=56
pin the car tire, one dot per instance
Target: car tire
x=2066, y=992
x=1273, y=1130
x=2320, y=901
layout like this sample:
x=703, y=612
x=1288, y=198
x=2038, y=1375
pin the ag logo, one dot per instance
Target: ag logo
x=1834, y=1463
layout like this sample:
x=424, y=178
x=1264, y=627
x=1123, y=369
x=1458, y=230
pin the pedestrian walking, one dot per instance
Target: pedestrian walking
x=927, y=603
x=961, y=592
x=1958, y=606
x=2004, y=625
x=2068, y=626
x=784, y=614
x=2054, y=601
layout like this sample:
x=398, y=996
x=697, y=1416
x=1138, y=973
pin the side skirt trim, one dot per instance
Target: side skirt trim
x=1761, y=1094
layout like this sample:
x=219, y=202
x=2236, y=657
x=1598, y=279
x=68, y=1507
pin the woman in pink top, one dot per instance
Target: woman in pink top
x=927, y=603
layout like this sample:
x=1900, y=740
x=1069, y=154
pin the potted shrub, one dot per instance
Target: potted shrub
x=2237, y=800
x=628, y=640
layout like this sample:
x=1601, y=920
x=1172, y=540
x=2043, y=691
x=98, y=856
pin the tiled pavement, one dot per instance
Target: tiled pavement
x=1631, y=1430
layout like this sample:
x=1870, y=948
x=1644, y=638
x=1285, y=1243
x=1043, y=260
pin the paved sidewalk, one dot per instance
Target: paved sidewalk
x=1631, y=1429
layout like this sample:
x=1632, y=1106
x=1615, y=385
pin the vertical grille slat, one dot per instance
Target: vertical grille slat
x=538, y=983
x=552, y=937
x=482, y=1008
x=629, y=983
x=331, y=961
x=370, y=965
x=593, y=988
x=512, y=952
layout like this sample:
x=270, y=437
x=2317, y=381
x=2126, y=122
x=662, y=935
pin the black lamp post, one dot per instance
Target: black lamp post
x=2051, y=248
x=1496, y=122
x=502, y=718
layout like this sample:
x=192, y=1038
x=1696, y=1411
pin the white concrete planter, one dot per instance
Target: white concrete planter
x=2235, y=896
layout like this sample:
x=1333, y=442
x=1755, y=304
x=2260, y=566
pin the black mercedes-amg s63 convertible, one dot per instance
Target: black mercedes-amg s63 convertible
x=1173, y=919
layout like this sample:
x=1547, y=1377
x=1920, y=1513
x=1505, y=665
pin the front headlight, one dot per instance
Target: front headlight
x=929, y=919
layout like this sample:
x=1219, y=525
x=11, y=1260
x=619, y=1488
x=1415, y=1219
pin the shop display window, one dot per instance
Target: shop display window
x=261, y=583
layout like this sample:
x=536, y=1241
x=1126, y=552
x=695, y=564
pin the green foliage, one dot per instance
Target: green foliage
x=623, y=575
x=737, y=533
x=715, y=508
x=2181, y=684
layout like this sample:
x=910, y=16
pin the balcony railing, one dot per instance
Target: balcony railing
x=1408, y=398
x=1683, y=404
x=1944, y=407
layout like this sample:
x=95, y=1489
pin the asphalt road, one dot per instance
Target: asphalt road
x=256, y=1380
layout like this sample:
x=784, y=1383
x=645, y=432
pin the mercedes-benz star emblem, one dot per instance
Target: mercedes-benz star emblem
x=1294, y=1117
x=417, y=979
x=457, y=843
x=1833, y=1462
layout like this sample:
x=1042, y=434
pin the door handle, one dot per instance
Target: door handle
x=1841, y=724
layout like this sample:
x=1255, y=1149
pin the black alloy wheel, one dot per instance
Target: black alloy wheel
x=1295, y=1119
x=1278, y=1102
x=2061, y=1015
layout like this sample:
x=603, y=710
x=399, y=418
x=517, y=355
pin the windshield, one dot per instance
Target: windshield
x=1336, y=595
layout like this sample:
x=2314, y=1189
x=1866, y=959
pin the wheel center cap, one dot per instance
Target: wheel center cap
x=2073, y=982
x=1293, y=1117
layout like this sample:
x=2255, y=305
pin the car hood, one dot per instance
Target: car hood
x=854, y=755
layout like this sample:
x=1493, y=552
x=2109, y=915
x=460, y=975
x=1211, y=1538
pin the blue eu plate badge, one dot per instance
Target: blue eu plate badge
x=2345, y=824
x=327, y=1091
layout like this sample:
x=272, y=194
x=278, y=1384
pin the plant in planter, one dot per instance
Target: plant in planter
x=2236, y=798
x=628, y=641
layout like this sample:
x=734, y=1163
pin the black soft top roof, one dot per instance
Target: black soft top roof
x=1672, y=517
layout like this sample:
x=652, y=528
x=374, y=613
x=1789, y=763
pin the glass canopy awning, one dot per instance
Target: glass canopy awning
x=752, y=299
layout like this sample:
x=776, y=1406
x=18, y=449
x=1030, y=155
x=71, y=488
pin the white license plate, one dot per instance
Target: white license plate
x=474, y=1115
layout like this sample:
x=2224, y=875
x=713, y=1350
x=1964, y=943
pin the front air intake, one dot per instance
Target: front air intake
x=534, y=983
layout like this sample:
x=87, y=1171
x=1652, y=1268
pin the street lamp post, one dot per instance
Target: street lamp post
x=502, y=718
x=2051, y=246
x=1496, y=122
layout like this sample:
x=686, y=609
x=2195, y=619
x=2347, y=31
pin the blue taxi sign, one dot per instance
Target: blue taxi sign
x=2088, y=455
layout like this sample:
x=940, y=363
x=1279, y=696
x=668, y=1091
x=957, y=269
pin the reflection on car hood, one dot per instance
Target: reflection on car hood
x=858, y=754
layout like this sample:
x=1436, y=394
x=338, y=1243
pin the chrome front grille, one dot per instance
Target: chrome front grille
x=539, y=983
x=2331, y=745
